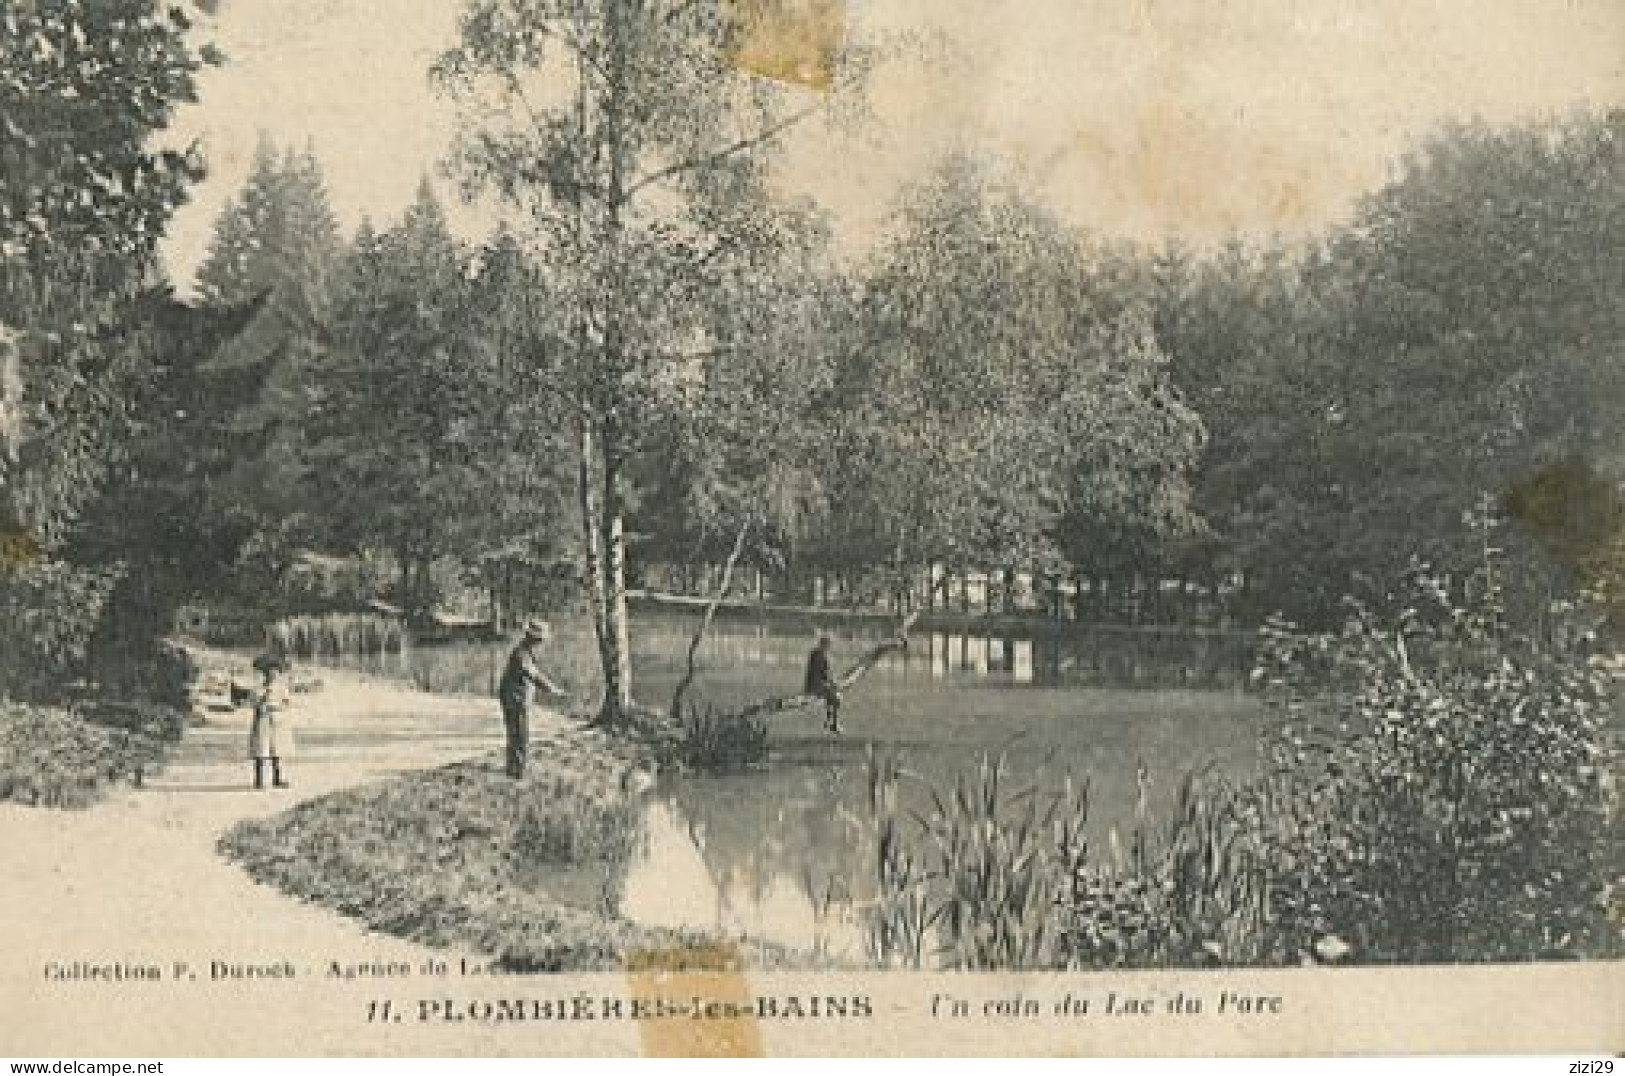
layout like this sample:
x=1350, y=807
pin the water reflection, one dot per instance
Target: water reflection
x=714, y=870
x=1087, y=659
x=1073, y=657
x=781, y=854
x=774, y=648
x=667, y=883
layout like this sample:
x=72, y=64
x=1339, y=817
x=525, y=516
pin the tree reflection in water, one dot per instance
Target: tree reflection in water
x=786, y=868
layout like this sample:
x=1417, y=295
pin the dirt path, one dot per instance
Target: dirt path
x=136, y=880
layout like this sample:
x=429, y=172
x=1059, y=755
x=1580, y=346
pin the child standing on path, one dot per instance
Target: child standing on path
x=270, y=739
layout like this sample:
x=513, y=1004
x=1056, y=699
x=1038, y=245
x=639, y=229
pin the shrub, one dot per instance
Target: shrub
x=53, y=757
x=1441, y=783
x=173, y=673
x=156, y=672
x=132, y=698
x=712, y=739
x=156, y=722
x=337, y=635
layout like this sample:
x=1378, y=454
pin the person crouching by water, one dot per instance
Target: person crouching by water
x=270, y=737
x=821, y=683
x=519, y=677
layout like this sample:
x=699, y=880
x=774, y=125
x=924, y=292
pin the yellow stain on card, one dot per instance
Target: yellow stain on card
x=795, y=41
x=18, y=548
x=712, y=1013
x=1577, y=515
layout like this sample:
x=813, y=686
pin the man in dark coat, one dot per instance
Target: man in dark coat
x=821, y=682
x=514, y=690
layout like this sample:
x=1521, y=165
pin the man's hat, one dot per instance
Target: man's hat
x=537, y=629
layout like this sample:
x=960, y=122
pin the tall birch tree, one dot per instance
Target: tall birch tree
x=634, y=138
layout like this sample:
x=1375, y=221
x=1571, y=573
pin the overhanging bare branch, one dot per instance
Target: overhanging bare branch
x=743, y=145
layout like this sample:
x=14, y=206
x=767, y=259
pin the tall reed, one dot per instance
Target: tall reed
x=1193, y=892
x=974, y=881
x=337, y=635
x=988, y=877
x=903, y=912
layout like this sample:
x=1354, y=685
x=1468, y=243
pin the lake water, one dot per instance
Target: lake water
x=1008, y=653
x=776, y=853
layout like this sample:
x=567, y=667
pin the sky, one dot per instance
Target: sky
x=1138, y=119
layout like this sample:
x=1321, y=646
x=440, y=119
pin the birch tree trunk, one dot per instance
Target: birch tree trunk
x=617, y=656
x=592, y=557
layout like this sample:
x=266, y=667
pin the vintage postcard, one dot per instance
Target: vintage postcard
x=811, y=527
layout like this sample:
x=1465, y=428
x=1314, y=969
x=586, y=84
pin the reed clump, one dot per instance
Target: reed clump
x=337, y=635
x=719, y=740
x=990, y=877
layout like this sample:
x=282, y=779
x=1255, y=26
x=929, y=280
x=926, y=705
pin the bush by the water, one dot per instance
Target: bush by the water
x=1442, y=786
x=336, y=635
x=720, y=740
x=702, y=736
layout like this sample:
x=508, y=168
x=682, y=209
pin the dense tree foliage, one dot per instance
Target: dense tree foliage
x=668, y=349
x=426, y=438
x=86, y=189
x=1283, y=427
x=84, y=197
x=1362, y=394
x=1479, y=344
x=990, y=414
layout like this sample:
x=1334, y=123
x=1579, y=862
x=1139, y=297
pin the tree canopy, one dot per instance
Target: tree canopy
x=86, y=91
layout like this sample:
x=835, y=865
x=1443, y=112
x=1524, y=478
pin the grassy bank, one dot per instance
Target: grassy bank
x=52, y=756
x=465, y=857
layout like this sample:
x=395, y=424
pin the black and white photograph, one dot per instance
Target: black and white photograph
x=741, y=527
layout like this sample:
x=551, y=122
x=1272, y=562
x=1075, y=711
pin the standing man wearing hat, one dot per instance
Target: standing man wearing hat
x=519, y=677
